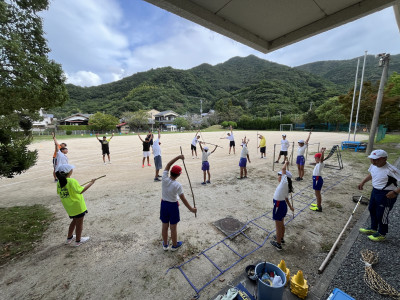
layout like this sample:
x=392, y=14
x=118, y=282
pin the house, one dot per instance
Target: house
x=166, y=118
x=43, y=124
x=76, y=119
x=152, y=113
x=123, y=128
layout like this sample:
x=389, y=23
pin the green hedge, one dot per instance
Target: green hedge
x=73, y=127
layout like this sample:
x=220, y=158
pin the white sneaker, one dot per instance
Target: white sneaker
x=82, y=241
x=69, y=241
x=105, y=163
x=109, y=162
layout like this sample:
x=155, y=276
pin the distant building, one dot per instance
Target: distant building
x=123, y=128
x=166, y=118
x=76, y=119
x=43, y=124
x=152, y=113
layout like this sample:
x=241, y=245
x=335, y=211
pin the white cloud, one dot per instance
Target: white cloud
x=83, y=78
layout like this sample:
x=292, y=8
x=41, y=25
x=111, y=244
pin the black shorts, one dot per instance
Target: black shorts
x=79, y=216
x=192, y=147
x=232, y=144
x=262, y=149
x=106, y=151
x=283, y=153
x=54, y=162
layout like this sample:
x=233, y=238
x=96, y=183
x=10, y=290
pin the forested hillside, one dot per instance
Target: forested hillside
x=343, y=72
x=252, y=85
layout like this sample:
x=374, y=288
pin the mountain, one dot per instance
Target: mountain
x=343, y=72
x=259, y=87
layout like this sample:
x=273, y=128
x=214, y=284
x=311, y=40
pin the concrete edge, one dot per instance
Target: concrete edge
x=335, y=263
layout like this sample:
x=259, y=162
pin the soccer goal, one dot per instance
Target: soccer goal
x=286, y=127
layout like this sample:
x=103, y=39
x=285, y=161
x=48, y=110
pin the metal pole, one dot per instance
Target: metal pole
x=273, y=159
x=385, y=62
x=354, y=96
x=359, y=96
x=292, y=154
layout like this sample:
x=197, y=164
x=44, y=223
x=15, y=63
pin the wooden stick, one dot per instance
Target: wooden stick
x=257, y=142
x=212, y=144
x=190, y=184
x=325, y=262
x=95, y=178
x=291, y=198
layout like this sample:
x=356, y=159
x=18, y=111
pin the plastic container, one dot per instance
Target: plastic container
x=339, y=295
x=265, y=291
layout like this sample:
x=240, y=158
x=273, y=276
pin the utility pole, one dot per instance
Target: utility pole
x=280, y=115
x=383, y=62
x=311, y=103
x=354, y=96
x=359, y=97
x=201, y=108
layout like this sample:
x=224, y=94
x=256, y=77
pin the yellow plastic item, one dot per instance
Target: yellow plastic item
x=282, y=266
x=298, y=285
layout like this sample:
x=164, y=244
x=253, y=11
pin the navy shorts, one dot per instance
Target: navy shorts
x=231, y=144
x=157, y=162
x=54, y=163
x=283, y=153
x=169, y=212
x=317, y=183
x=243, y=162
x=205, y=166
x=192, y=147
x=279, y=211
x=79, y=216
x=300, y=160
x=262, y=149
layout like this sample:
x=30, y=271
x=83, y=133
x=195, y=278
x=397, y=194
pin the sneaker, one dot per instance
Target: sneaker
x=55, y=180
x=208, y=181
x=105, y=163
x=298, y=178
x=283, y=162
x=301, y=178
x=178, y=244
x=82, y=241
x=377, y=237
x=240, y=178
x=165, y=247
x=142, y=166
x=203, y=183
x=159, y=176
x=282, y=240
x=69, y=241
x=109, y=162
x=244, y=176
x=192, y=157
x=368, y=231
x=276, y=245
x=316, y=208
x=149, y=165
x=277, y=162
x=314, y=204
x=157, y=179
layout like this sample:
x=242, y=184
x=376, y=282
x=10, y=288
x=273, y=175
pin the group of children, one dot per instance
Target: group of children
x=70, y=191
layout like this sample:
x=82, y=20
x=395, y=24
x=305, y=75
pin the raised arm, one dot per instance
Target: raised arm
x=201, y=148
x=231, y=129
x=56, y=144
x=111, y=136
x=159, y=133
x=172, y=161
x=214, y=149
x=97, y=136
x=285, y=165
x=308, y=138
x=140, y=137
x=88, y=185
x=322, y=153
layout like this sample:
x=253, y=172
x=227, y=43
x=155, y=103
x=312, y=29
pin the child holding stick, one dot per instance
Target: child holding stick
x=317, y=180
x=205, y=166
x=194, y=143
x=169, y=212
x=231, y=139
x=146, y=150
x=157, y=156
x=70, y=192
x=300, y=160
x=244, y=156
x=281, y=203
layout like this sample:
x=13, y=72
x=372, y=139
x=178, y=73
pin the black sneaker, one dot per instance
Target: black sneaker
x=157, y=179
x=301, y=178
x=276, y=245
x=208, y=181
x=298, y=178
x=282, y=240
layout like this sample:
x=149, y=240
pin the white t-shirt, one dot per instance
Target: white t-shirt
x=230, y=137
x=282, y=191
x=284, y=145
x=171, y=189
x=384, y=177
x=244, y=152
x=194, y=141
x=156, y=148
x=318, y=169
x=205, y=155
x=62, y=159
x=301, y=150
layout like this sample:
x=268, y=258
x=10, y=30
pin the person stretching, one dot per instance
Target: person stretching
x=231, y=141
x=194, y=143
x=284, y=149
x=317, y=180
x=146, y=150
x=300, y=160
x=169, y=213
x=244, y=156
x=205, y=166
x=105, y=147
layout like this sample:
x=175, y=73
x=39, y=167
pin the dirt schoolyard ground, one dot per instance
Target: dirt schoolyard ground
x=124, y=257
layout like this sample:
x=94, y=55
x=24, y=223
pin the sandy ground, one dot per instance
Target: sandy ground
x=124, y=258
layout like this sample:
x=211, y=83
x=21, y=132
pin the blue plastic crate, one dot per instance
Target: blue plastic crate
x=339, y=295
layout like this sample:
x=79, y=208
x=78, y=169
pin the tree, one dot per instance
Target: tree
x=330, y=112
x=137, y=119
x=182, y=122
x=29, y=81
x=100, y=121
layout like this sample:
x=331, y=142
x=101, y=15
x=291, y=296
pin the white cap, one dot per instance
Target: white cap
x=283, y=134
x=301, y=141
x=378, y=154
x=288, y=174
x=65, y=168
x=205, y=148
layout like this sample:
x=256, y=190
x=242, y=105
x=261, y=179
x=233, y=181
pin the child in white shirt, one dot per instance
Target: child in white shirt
x=318, y=180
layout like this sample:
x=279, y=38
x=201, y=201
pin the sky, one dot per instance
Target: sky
x=101, y=41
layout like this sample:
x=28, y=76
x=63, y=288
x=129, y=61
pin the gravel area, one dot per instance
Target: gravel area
x=350, y=277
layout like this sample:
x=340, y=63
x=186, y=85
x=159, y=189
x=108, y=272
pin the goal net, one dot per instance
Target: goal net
x=286, y=127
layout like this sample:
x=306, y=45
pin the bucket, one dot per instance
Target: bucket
x=265, y=291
